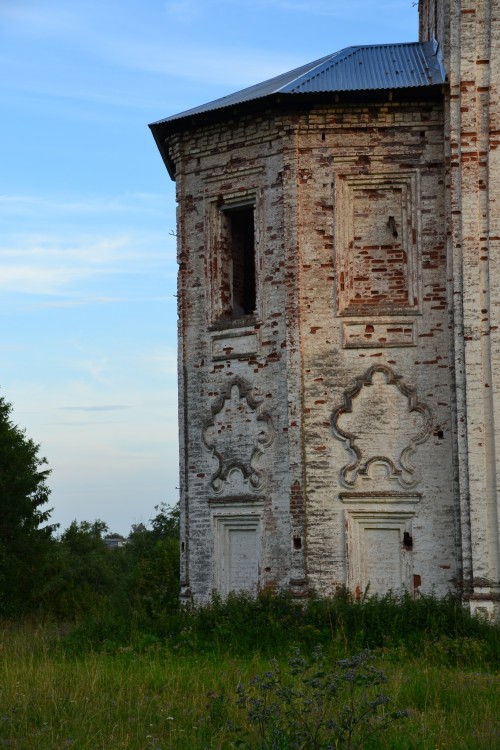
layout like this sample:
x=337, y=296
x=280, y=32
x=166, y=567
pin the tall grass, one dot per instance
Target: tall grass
x=272, y=625
x=52, y=699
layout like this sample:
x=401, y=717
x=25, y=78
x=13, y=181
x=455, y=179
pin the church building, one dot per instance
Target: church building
x=338, y=232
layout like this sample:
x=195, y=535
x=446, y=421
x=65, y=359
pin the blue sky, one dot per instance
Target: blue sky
x=87, y=258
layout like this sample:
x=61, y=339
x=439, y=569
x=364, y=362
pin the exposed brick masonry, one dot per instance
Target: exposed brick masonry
x=346, y=431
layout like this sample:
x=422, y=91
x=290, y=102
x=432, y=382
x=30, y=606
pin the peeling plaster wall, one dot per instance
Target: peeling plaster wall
x=470, y=33
x=236, y=461
x=347, y=431
x=386, y=155
x=320, y=427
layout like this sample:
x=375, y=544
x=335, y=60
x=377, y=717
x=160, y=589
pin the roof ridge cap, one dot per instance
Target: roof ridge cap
x=316, y=64
x=334, y=59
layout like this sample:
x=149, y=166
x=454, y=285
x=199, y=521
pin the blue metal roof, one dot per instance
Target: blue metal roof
x=361, y=68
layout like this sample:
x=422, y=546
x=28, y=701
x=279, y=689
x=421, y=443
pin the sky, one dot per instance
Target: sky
x=87, y=216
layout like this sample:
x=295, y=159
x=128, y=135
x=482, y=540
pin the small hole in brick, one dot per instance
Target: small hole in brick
x=392, y=226
x=440, y=434
x=297, y=542
x=182, y=547
x=407, y=541
x=322, y=136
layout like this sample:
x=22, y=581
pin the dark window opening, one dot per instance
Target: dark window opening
x=407, y=541
x=240, y=238
x=297, y=542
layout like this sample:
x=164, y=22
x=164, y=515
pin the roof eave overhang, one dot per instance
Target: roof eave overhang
x=163, y=129
x=163, y=148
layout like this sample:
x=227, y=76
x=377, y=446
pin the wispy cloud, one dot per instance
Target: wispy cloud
x=53, y=18
x=82, y=302
x=232, y=66
x=165, y=359
x=183, y=11
x=38, y=205
x=193, y=8
x=91, y=250
x=163, y=47
x=104, y=407
x=92, y=366
x=32, y=280
x=155, y=50
x=46, y=269
x=56, y=264
x=101, y=93
x=329, y=8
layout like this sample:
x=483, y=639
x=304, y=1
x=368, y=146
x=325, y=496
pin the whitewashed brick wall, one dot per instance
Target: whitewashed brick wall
x=349, y=429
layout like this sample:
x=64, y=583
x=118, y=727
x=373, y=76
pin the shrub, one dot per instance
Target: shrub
x=311, y=705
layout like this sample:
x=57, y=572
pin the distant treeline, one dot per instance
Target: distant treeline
x=78, y=574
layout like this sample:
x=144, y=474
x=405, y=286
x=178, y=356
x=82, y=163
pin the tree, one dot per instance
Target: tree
x=120, y=589
x=85, y=575
x=166, y=523
x=25, y=535
x=154, y=562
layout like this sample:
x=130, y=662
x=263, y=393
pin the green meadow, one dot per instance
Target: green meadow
x=97, y=684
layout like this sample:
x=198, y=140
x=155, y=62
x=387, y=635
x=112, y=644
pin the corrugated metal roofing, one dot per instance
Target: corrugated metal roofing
x=363, y=68
x=387, y=66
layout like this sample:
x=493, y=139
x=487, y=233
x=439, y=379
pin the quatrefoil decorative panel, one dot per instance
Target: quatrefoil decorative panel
x=381, y=422
x=238, y=434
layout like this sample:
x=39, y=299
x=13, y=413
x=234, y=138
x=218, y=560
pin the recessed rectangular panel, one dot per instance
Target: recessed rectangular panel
x=237, y=548
x=378, y=274
x=378, y=335
x=243, y=560
x=377, y=244
x=377, y=558
x=382, y=559
x=231, y=347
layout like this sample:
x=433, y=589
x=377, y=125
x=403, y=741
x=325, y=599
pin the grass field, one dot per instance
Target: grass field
x=52, y=698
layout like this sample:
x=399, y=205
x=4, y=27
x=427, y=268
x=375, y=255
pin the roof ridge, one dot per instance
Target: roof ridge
x=413, y=69
x=337, y=58
x=314, y=64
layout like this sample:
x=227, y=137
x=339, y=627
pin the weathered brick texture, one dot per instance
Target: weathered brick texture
x=471, y=32
x=350, y=324
x=345, y=432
